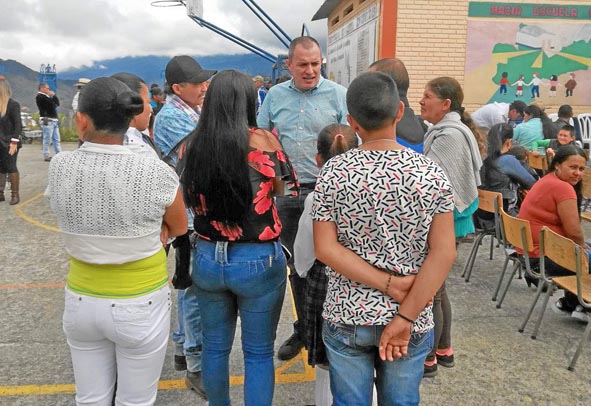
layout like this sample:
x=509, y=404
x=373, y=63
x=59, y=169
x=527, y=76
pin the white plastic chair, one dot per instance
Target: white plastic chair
x=585, y=126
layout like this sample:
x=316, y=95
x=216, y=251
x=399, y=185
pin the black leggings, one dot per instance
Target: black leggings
x=442, y=319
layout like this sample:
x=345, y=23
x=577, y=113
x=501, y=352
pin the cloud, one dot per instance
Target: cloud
x=72, y=33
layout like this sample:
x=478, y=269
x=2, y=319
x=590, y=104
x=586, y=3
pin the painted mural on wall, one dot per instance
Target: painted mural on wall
x=528, y=52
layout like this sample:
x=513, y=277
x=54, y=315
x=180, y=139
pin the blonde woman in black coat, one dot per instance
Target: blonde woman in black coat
x=10, y=141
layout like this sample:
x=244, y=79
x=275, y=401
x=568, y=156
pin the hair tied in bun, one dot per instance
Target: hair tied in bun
x=129, y=103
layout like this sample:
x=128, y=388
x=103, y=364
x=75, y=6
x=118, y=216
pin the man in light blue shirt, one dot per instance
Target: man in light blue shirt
x=298, y=109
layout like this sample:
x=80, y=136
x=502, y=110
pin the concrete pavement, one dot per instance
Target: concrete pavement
x=494, y=363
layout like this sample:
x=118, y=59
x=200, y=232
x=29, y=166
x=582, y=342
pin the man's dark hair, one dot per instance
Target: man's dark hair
x=565, y=111
x=42, y=85
x=569, y=128
x=305, y=41
x=519, y=152
x=518, y=106
x=372, y=100
x=394, y=68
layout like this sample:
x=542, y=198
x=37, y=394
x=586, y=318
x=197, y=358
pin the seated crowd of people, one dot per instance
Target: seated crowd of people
x=371, y=200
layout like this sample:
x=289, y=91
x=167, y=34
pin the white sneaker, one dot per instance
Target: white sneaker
x=580, y=314
x=558, y=309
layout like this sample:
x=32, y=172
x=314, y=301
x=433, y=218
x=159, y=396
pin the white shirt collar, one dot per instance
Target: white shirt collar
x=134, y=136
x=104, y=148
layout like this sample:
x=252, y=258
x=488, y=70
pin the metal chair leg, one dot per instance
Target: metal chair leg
x=533, y=305
x=494, y=298
x=515, y=266
x=534, y=333
x=492, y=240
x=584, y=339
x=473, y=251
x=473, y=259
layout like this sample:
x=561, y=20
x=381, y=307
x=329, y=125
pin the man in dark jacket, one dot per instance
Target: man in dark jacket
x=47, y=103
x=409, y=131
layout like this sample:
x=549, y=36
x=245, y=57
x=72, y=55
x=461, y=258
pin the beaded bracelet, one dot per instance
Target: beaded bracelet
x=403, y=317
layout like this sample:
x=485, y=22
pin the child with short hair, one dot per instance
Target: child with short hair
x=383, y=224
x=566, y=136
x=333, y=140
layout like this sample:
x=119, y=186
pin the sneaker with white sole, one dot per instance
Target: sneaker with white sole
x=580, y=314
x=560, y=308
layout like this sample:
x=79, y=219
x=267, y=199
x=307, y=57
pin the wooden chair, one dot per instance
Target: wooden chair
x=586, y=192
x=515, y=233
x=489, y=202
x=572, y=257
x=539, y=162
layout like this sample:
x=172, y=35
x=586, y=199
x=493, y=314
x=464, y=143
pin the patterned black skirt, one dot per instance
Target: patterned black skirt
x=316, y=283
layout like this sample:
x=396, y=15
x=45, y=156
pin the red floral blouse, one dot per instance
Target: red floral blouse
x=262, y=222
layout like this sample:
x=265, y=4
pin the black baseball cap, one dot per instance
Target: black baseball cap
x=183, y=68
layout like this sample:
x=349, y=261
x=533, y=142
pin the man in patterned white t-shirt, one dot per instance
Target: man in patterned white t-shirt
x=383, y=223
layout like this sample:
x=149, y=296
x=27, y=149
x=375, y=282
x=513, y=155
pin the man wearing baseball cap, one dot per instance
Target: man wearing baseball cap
x=188, y=82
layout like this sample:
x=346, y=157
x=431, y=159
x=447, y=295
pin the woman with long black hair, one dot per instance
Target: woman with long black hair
x=502, y=172
x=232, y=171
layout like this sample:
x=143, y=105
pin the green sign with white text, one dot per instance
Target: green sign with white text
x=529, y=10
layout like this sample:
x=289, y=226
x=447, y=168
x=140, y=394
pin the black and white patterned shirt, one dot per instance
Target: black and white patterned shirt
x=383, y=203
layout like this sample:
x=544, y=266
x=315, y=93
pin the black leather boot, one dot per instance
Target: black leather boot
x=2, y=186
x=14, y=185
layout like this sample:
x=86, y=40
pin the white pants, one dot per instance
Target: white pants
x=117, y=340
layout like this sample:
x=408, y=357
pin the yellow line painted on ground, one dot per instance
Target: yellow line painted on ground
x=281, y=377
x=21, y=214
x=34, y=286
x=69, y=389
x=37, y=390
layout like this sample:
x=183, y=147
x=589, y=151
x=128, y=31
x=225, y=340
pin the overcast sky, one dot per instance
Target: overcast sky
x=72, y=33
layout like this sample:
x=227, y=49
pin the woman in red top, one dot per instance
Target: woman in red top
x=232, y=172
x=554, y=201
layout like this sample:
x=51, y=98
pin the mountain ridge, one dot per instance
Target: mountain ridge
x=24, y=80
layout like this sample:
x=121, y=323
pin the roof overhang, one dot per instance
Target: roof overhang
x=324, y=11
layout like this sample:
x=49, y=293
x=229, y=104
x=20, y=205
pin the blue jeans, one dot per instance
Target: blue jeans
x=249, y=279
x=51, y=132
x=188, y=337
x=353, y=356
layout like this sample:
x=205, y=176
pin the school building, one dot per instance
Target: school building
x=476, y=42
